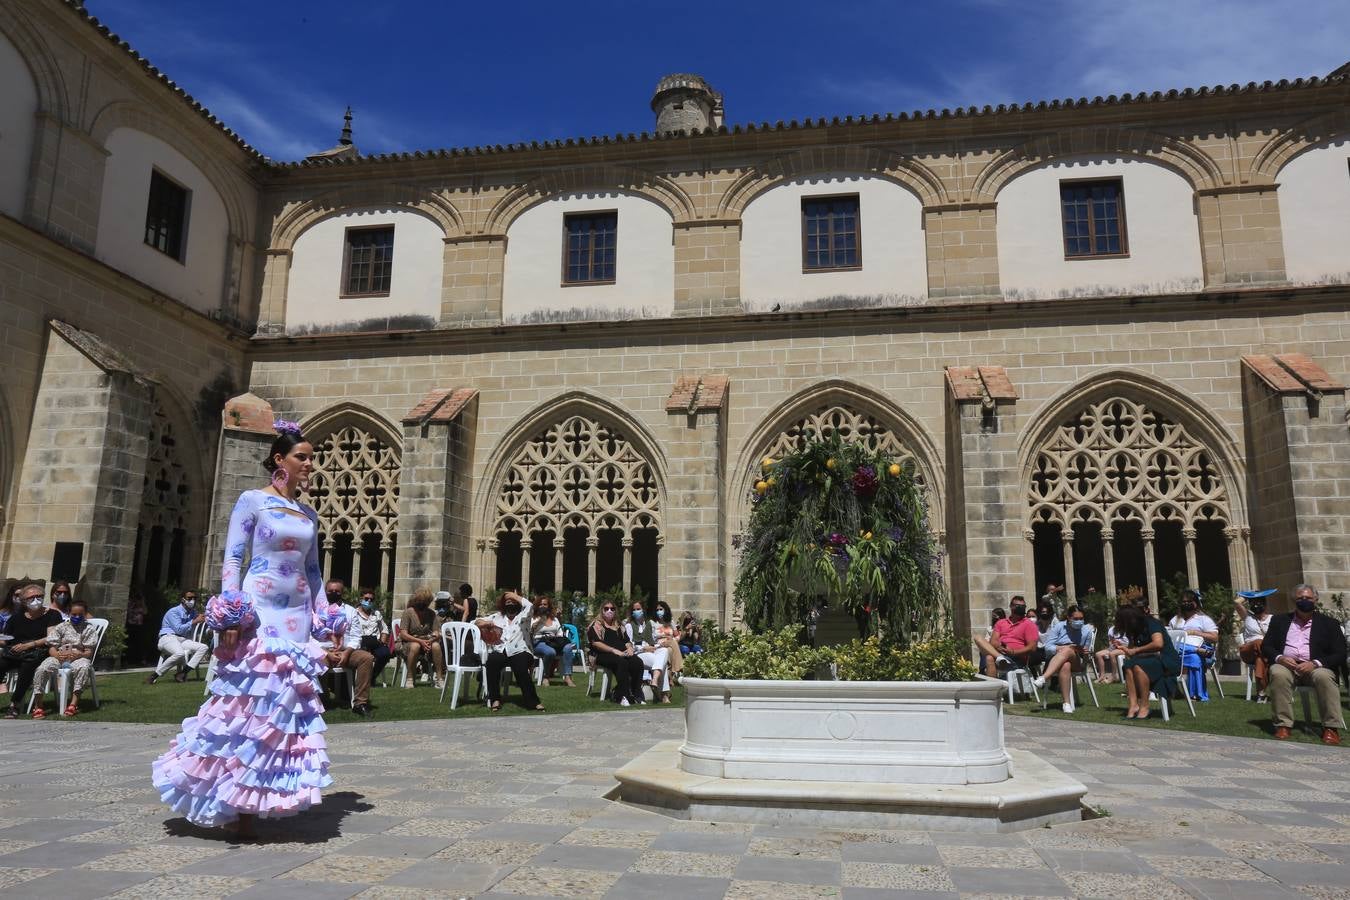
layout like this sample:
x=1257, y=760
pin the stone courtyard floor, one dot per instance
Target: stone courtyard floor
x=515, y=806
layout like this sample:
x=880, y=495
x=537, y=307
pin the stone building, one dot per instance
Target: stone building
x=557, y=365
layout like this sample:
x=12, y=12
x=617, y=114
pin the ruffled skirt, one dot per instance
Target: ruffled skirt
x=256, y=747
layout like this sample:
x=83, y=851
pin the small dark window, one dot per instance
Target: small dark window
x=831, y=233
x=589, y=254
x=166, y=216
x=368, y=263
x=1094, y=218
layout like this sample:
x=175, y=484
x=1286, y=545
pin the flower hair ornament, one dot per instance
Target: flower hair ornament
x=286, y=426
x=280, y=477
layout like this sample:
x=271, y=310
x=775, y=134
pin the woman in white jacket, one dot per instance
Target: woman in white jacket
x=506, y=633
x=649, y=650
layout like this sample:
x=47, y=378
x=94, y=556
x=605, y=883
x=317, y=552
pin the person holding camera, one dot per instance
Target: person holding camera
x=506, y=634
x=550, y=640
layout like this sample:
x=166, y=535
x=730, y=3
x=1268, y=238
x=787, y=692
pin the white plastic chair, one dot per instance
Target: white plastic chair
x=454, y=637
x=201, y=635
x=1020, y=679
x=400, y=665
x=1087, y=674
x=1178, y=637
x=63, y=676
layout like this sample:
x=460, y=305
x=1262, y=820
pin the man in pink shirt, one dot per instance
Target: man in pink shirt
x=1305, y=648
x=1014, y=639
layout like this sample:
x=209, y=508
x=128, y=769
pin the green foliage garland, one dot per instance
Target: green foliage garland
x=841, y=523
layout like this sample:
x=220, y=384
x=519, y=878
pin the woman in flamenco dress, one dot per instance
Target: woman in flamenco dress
x=256, y=747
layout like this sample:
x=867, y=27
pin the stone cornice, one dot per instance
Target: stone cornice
x=1274, y=301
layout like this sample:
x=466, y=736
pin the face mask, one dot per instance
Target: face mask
x=608, y=614
x=512, y=609
x=1188, y=607
x=1017, y=612
x=62, y=599
x=190, y=603
x=1258, y=608
x=366, y=605
x=637, y=615
x=35, y=604
x=1305, y=605
x=1075, y=625
x=77, y=621
x=334, y=596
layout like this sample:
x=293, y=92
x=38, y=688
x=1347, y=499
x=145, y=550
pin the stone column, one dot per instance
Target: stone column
x=66, y=183
x=627, y=584
x=276, y=279
x=433, y=501
x=84, y=467
x=1150, y=569
x=471, y=280
x=1192, y=570
x=526, y=544
x=962, y=250
x=1066, y=537
x=1109, y=559
x=592, y=546
x=707, y=267
x=694, y=575
x=1297, y=448
x=986, y=507
x=1241, y=241
x=559, y=545
x=245, y=437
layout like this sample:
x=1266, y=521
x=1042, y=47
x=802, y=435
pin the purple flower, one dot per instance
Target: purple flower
x=286, y=426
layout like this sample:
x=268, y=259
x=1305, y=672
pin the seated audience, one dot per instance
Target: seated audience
x=175, y=639
x=26, y=644
x=418, y=636
x=508, y=646
x=368, y=625
x=344, y=651
x=1107, y=656
x=1251, y=610
x=1305, y=647
x=550, y=640
x=70, y=645
x=1013, y=642
x=60, y=598
x=1151, y=663
x=464, y=605
x=614, y=651
x=691, y=634
x=995, y=615
x=667, y=635
x=654, y=657
x=1045, y=620
x=1197, y=651
x=1069, y=644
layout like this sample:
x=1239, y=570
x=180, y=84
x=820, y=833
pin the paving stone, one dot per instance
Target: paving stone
x=701, y=842
x=396, y=846
x=897, y=877
x=1015, y=882
x=556, y=881
x=636, y=886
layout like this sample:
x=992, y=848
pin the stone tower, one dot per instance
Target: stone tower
x=685, y=102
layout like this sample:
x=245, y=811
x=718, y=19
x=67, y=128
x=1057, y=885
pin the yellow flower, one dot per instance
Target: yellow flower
x=894, y=469
x=867, y=536
x=769, y=482
x=761, y=486
x=767, y=461
x=829, y=463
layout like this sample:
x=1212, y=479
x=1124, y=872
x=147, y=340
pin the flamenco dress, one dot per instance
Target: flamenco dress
x=256, y=746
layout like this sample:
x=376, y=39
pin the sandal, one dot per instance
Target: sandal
x=540, y=708
x=72, y=710
x=12, y=712
x=495, y=707
x=39, y=712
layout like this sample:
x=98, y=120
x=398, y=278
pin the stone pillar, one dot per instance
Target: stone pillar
x=66, y=183
x=962, y=250
x=1109, y=559
x=986, y=510
x=1150, y=570
x=1297, y=450
x=245, y=437
x=84, y=467
x=471, y=280
x=433, y=501
x=707, y=267
x=1066, y=540
x=592, y=546
x=276, y=281
x=1192, y=570
x=693, y=576
x=526, y=544
x=627, y=584
x=1241, y=241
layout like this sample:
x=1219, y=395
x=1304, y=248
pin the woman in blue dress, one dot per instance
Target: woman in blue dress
x=256, y=746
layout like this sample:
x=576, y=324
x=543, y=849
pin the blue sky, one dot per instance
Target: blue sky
x=424, y=74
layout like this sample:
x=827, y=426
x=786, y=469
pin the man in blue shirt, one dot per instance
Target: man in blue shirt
x=1068, y=643
x=175, y=639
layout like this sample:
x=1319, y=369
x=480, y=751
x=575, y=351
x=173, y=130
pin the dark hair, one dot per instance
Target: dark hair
x=664, y=607
x=1017, y=598
x=76, y=601
x=1132, y=623
x=997, y=613
x=466, y=590
x=283, y=445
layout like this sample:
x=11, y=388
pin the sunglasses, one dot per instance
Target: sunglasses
x=607, y=609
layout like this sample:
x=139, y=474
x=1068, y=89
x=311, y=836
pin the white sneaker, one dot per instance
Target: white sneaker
x=1039, y=681
x=1068, y=708
x=623, y=702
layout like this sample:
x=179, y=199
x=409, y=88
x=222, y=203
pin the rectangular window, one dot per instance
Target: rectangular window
x=831, y=233
x=166, y=216
x=589, y=251
x=368, y=263
x=1094, y=218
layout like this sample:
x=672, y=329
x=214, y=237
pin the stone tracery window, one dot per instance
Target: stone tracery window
x=162, y=536
x=581, y=491
x=851, y=425
x=354, y=490
x=1121, y=494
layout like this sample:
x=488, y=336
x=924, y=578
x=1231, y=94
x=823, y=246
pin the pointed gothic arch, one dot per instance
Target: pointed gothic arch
x=357, y=462
x=576, y=501
x=171, y=528
x=1128, y=482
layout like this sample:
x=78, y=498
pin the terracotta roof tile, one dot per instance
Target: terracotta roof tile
x=452, y=407
x=426, y=406
x=997, y=384
x=1276, y=376
x=703, y=393
x=965, y=383
x=248, y=412
x=1310, y=373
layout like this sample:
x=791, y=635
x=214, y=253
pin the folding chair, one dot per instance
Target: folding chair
x=63, y=677
x=579, y=657
x=1176, y=635
x=454, y=637
x=1088, y=674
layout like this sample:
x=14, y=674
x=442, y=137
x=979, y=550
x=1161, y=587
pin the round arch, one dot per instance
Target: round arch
x=1122, y=474
x=302, y=216
x=587, y=472
x=1183, y=158
x=1283, y=147
x=657, y=188
x=358, y=459
x=53, y=98
x=873, y=161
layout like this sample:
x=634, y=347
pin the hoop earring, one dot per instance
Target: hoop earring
x=280, y=478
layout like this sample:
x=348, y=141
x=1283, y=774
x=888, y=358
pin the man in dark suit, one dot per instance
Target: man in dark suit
x=1305, y=647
